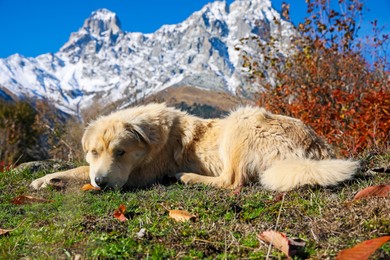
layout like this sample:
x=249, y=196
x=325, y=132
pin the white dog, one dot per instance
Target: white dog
x=137, y=147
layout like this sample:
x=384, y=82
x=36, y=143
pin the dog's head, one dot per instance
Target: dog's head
x=114, y=149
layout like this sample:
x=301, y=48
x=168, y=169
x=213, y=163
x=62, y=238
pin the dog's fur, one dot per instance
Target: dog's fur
x=137, y=147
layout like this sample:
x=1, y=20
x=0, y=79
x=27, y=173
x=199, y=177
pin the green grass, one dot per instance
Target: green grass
x=81, y=223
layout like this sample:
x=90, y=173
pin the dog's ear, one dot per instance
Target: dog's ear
x=137, y=133
x=143, y=133
x=85, y=139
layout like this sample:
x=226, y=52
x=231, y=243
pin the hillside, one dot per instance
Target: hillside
x=102, y=63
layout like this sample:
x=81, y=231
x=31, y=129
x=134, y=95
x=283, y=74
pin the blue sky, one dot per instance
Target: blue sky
x=33, y=27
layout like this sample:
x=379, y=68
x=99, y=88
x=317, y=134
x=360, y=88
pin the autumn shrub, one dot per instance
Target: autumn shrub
x=328, y=82
x=35, y=130
x=19, y=139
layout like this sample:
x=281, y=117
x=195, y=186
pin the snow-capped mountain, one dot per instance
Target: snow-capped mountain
x=101, y=61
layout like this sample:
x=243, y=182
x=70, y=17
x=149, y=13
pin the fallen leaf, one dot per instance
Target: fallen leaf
x=4, y=232
x=89, y=187
x=23, y=199
x=278, y=240
x=278, y=197
x=120, y=213
x=373, y=191
x=181, y=215
x=288, y=246
x=362, y=250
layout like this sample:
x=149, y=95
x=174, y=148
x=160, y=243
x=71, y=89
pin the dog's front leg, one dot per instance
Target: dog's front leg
x=79, y=174
x=193, y=178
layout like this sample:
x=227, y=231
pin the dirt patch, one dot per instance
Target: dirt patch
x=98, y=224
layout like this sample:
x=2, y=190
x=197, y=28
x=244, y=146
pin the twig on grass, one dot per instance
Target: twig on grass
x=276, y=226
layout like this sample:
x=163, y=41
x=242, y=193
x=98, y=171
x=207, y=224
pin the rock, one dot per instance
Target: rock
x=46, y=166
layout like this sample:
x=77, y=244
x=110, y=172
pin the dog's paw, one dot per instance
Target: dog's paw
x=47, y=180
x=186, y=178
x=39, y=183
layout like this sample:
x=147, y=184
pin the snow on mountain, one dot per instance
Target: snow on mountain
x=103, y=62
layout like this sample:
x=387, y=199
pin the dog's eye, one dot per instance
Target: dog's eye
x=94, y=152
x=119, y=153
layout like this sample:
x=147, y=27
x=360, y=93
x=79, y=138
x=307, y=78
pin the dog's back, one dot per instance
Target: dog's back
x=281, y=152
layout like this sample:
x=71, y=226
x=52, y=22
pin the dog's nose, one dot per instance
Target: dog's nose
x=101, y=181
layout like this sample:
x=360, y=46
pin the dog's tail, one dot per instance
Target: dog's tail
x=292, y=173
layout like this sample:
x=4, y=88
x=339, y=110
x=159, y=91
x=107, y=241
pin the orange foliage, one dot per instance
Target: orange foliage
x=353, y=118
x=329, y=84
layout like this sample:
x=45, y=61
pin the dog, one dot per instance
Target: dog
x=137, y=147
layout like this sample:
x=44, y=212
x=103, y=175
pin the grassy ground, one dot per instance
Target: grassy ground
x=81, y=224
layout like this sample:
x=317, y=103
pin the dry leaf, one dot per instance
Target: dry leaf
x=288, y=246
x=373, y=191
x=120, y=213
x=89, y=187
x=23, y=199
x=362, y=250
x=181, y=215
x=278, y=197
x=278, y=240
x=4, y=232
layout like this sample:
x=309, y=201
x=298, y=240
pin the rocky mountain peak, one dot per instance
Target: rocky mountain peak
x=101, y=27
x=217, y=8
x=101, y=23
